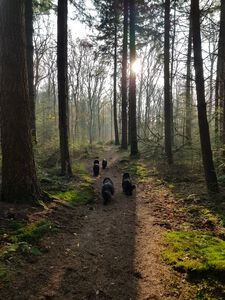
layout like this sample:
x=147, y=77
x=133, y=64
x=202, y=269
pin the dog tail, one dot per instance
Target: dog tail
x=106, y=196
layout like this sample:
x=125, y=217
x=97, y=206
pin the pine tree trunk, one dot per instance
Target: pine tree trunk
x=132, y=87
x=210, y=175
x=30, y=50
x=63, y=88
x=188, y=89
x=221, y=73
x=167, y=94
x=19, y=181
x=124, y=77
x=115, y=75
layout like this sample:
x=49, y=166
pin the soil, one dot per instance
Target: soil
x=100, y=252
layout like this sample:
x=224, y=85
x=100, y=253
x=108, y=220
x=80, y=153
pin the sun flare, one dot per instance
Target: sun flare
x=136, y=66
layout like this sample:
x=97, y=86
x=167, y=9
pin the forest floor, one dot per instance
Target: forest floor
x=91, y=251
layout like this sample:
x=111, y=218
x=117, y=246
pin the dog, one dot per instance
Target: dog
x=127, y=185
x=96, y=167
x=107, y=190
x=104, y=163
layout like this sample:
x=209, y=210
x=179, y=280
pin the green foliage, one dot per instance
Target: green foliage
x=42, y=6
x=195, y=251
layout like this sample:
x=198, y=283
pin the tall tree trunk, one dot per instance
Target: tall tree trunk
x=221, y=72
x=210, y=175
x=212, y=61
x=30, y=50
x=132, y=87
x=117, y=142
x=219, y=90
x=124, y=76
x=19, y=181
x=167, y=94
x=188, y=89
x=63, y=87
x=171, y=72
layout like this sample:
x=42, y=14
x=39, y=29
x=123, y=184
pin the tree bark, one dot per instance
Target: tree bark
x=19, y=180
x=188, y=89
x=221, y=69
x=30, y=65
x=63, y=88
x=132, y=87
x=210, y=174
x=117, y=142
x=167, y=94
x=124, y=76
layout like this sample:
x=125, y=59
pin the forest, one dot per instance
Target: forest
x=112, y=179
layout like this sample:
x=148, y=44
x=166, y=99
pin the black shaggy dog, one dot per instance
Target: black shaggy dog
x=96, y=167
x=107, y=190
x=104, y=163
x=127, y=184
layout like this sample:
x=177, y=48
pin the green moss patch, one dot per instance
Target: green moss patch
x=83, y=194
x=135, y=168
x=31, y=233
x=23, y=238
x=195, y=251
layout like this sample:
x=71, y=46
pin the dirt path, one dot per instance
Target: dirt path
x=100, y=252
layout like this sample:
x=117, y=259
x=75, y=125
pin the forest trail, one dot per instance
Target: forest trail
x=100, y=252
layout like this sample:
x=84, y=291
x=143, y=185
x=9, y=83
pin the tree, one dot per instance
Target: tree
x=115, y=73
x=188, y=89
x=132, y=86
x=29, y=51
x=19, y=180
x=63, y=87
x=124, y=76
x=167, y=94
x=210, y=175
x=220, y=81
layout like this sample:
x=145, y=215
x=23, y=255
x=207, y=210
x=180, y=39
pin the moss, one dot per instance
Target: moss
x=83, y=194
x=195, y=251
x=135, y=168
x=31, y=233
x=79, y=169
x=4, y=275
x=23, y=238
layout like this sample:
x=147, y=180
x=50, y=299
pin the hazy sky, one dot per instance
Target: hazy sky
x=78, y=29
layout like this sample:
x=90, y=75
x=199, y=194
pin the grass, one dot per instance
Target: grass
x=195, y=251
